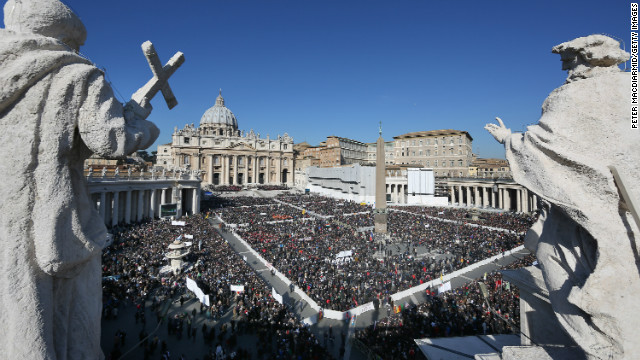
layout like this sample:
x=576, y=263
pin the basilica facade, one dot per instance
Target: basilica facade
x=226, y=155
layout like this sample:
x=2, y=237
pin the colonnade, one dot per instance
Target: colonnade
x=127, y=201
x=505, y=196
x=398, y=193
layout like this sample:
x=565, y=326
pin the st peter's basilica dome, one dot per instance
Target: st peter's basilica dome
x=219, y=115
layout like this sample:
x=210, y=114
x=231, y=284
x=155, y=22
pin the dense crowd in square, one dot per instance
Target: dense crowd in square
x=303, y=247
x=462, y=312
x=517, y=222
x=305, y=251
x=133, y=276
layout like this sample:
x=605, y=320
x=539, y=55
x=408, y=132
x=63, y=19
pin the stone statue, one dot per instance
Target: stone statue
x=588, y=245
x=56, y=109
x=90, y=175
x=117, y=173
x=129, y=171
x=164, y=173
x=104, y=172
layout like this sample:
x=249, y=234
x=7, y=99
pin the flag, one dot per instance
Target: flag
x=441, y=277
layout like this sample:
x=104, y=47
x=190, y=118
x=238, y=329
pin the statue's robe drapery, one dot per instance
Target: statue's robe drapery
x=588, y=251
x=56, y=109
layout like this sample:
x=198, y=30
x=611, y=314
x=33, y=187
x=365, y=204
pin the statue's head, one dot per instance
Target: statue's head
x=583, y=54
x=45, y=17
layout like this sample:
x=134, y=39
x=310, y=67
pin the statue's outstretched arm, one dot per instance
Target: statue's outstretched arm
x=499, y=132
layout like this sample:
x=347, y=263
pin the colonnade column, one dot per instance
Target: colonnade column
x=534, y=200
x=453, y=195
x=153, y=204
x=103, y=205
x=163, y=197
x=507, y=199
x=477, y=196
x=460, y=198
x=278, y=170
x=141, y=205
x=115, y=207
x=468, y=196
x=127, y=208
x=500, y=199
x=525, y=200
x=494, y=198
x=195, y=202
x=485, y=197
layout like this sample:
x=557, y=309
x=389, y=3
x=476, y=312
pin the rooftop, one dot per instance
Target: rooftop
x=433, y=133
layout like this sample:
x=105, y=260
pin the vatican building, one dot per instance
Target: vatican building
x=227, y=156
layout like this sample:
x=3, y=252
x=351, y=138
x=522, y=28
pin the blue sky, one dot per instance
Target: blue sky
x=315, y=68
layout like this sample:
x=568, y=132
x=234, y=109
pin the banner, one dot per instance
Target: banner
x=367, y=307
x=191, y=285
x=275, y=295
x=237, y=288
x=444, y=287
x=187, y=236
x=178, y=223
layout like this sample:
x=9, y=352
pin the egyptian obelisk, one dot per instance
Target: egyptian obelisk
x=380, y=211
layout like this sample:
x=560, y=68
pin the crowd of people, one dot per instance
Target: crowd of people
x=518, y=222
x=461, y=312
x=272, y=187
x=323, y=205
x=286, y=232
x=306, y=251
x=260, y=213
x=136, y=274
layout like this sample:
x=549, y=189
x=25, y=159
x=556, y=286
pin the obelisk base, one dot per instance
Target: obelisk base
x=380, y=222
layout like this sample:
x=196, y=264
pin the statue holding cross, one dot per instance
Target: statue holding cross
x=56, y=110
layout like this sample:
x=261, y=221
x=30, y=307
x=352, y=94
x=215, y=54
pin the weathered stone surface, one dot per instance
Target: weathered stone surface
x=56, y=109
x=588, y=244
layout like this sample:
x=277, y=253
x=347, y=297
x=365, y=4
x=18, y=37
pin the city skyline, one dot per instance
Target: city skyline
x=314, y=69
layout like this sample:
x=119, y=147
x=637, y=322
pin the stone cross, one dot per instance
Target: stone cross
x=160, y=79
